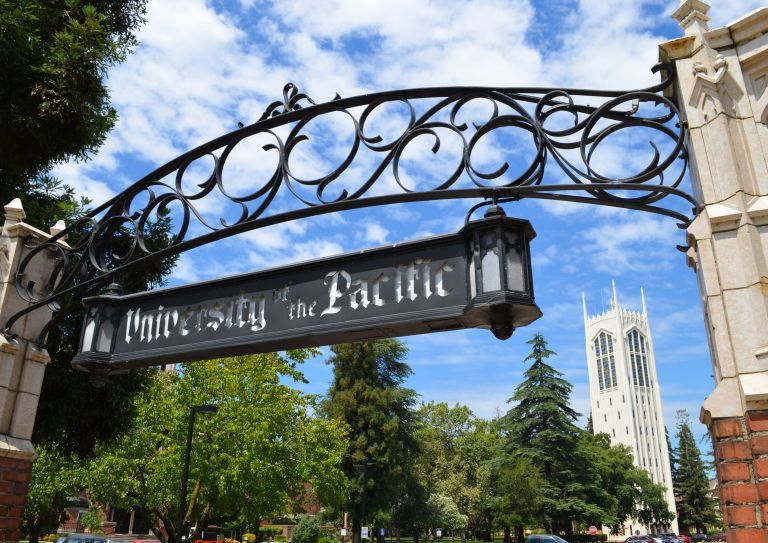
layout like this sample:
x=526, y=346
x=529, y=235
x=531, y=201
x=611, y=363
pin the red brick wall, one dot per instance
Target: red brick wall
x=741, y=455
x=14, y=485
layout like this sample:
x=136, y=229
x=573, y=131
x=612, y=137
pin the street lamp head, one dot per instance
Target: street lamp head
x=206, y=408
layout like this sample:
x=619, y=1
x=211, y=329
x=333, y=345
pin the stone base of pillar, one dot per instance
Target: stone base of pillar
x=741, y=457
x=15, y=474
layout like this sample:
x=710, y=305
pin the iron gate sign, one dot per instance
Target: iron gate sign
x=410, y=288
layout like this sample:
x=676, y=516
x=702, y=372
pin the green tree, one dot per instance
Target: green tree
x=445, y=514
x=518, y=495
x=55, y=104
x=55, y=477
x=541, y=427
x=368, y=396
x=307, y=531
x=250, y=461
x=612, y=487
x=456, y=452
x=54, y=107
x=689, y=480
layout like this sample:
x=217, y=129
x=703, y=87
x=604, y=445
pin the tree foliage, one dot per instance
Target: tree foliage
x=56, y=476
x=250, y=461
x=55, y=104
x=455, y=460
x=541, y=427
x=695, y=508
x=306, y=531
x=367, y=395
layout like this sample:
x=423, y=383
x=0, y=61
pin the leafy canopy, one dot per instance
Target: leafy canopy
x=250, y=461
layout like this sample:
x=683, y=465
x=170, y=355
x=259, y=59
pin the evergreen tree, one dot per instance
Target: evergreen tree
x=541, y=427
x=690, y=482
x=367, y=394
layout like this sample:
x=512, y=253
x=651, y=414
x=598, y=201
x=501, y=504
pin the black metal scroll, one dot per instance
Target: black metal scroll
x=558, y=126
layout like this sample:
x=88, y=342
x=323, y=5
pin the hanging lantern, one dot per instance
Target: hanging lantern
x=500, y=278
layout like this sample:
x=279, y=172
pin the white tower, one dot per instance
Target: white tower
x=624, y=392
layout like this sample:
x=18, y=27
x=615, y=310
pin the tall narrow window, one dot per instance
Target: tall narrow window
x=606, y=365
x=639, y=358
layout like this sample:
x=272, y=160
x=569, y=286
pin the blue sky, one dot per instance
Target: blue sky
x=203, y=66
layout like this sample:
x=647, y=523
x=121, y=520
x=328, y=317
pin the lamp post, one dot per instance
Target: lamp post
x=208, y=409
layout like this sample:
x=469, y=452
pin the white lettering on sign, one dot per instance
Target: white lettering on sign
x=343, y=291
x=418, y=278
x=240, y=311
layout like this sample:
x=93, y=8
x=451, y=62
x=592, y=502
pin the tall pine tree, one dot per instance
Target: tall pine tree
x=695, y=507
x=541, y=427
x=367, y=394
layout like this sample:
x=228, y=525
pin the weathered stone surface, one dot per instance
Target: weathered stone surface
x=22, y=366
x=723, y=89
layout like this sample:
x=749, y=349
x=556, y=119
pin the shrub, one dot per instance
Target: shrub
x=307, y=531
x=268, y=533
x=250, y=537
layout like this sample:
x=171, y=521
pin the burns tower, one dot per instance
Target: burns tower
x=624, y=392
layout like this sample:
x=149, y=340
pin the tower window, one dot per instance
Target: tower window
x=606, y=365
x=638, y=358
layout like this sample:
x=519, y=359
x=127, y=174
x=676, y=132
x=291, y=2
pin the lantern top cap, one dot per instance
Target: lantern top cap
x=494, y=211
x=497, y=215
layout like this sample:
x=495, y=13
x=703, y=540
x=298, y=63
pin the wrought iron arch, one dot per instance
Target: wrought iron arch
x=88, y=266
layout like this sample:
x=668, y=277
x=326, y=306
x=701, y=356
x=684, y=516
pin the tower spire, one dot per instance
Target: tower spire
x=615, y=301
x=642, y=297
x=584, y=305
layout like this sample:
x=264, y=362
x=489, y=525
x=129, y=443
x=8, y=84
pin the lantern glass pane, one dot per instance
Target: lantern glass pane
x=90, y=328
x=514, y=262
x=472, y=282
x=104, y=340
x=489, y=261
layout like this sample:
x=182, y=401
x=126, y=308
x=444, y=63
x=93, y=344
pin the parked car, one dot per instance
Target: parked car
x=544, y=538
x=695, y=538
x=639, y=539
x=85, y=538
x=717, y=537
x=685, y=538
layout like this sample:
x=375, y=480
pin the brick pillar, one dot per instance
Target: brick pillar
x=14, y=484
x=741, y=456
x=22, y=365
x=722, y=91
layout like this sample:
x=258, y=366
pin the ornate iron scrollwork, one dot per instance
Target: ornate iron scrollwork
x=534, y=114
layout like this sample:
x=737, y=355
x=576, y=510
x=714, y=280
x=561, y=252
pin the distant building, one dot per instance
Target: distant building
x=624, y=393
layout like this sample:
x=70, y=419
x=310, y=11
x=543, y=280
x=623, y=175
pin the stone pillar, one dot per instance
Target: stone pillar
x=721, y=89
x=22, y=366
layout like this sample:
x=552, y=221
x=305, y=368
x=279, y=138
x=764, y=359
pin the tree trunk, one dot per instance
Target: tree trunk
x=356, y=530
x=520, y=533
x=507, y=536
x=34, y=533
x=397, y=535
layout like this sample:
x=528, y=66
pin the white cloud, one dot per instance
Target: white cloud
x=373, y=232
